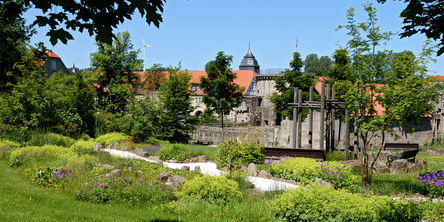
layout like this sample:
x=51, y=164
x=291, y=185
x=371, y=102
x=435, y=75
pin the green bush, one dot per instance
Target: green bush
x=217, y=189
x=179, y=152
x=6, y=147
x=339, y=156
x=32, y=154
x=125, y=189
x=306, y=170
x=113, y=137
x=51, y=177
x=322, y=203
x=233, y=153
x=50, y=139
x=83, y=147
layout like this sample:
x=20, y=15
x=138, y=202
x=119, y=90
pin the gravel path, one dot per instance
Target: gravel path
x=210, y=168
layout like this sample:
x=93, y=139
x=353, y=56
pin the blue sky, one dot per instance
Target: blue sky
x=193, y=31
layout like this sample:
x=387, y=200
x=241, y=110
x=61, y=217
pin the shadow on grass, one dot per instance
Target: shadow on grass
x=401, y=183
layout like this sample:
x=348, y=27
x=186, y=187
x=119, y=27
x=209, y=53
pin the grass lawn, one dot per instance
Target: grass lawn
x=21, y=200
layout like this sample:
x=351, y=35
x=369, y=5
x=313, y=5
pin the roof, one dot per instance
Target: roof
x=249, y=60
x=52, y=54
x=437, y=78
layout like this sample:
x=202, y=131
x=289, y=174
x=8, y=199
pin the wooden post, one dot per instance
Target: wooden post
x=347, y=134
x=356, y=143
x=328, y=122
x=332, y=118
x=295, y=97
x=321, y=121
x=310, y=121
x=299, y=119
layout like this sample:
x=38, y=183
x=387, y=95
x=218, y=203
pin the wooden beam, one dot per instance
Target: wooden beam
x=295, y=97
x=328, y=122
x=347, y=134
x=299, y=119
x=321, y=121
x=310, y=121
x=332, y=118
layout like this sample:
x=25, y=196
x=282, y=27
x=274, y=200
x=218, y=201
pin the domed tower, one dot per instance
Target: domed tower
x=249, y=62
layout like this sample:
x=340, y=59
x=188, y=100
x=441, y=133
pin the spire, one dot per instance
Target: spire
x=249, y=62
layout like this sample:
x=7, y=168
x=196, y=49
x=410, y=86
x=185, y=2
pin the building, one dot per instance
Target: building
x=54, y=64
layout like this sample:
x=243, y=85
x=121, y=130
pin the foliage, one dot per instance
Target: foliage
x=152, y=170
x=52, y=177
x=433, y=212
x=293, y=77
x=305, y=171
x=214, y=189
x=38, y=139
x=233, y=154
x=106, y=122
x=434, y=183
x=6, y=147
x=221, y=94
x=317, y=66
x=47, y=153
x=115, y=64
x=142, y=121
x=111, y=138
x=176, y=121
x=125, y=189
x=425, y=17
x=83, y=147
x=179, y=152
x=98, y=18
x=338, y=156
x=154, y=76
x=321, y=203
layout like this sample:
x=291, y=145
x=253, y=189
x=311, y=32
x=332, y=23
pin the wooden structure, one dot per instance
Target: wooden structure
x=276, y=153
x=328, y=106
x=401, y=146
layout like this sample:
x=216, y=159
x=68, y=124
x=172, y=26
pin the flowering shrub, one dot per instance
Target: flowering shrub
x=83, y=147
x=178, y=152
x=6, y=147
x=218, y=189
x=110, y=138
x=305, y=170
x=52, y=177
x=126, y=189
x=321, y=203
x=434, y=183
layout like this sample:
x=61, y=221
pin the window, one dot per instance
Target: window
x=53, y=65
x=195, y=87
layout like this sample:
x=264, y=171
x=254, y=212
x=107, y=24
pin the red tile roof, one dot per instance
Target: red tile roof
x=52, y=54
x=437, y=78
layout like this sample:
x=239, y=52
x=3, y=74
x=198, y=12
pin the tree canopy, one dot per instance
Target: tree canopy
x=317, y=66
x=425, y=17
x=98, y=17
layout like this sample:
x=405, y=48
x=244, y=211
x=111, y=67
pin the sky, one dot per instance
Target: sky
x=193, y=31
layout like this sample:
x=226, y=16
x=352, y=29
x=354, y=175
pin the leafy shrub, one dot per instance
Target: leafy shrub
x=233, y=153
x=339, y=156
x=432, y=212
x=83, y=147
x=31, y=154
x=6, y=147
x=306, y=170
x=51, y=177
x=125, y=189
x=50, y=139
x=217, y=189
x=322, y=203
x=113, y=137
x=178, y=152
x=434, y=183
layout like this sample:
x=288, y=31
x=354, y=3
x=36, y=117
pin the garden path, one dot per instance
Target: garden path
x=210, y=168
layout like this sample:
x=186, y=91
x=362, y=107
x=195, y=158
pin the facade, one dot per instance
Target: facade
x=54, y=64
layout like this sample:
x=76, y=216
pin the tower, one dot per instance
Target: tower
x=249, y=62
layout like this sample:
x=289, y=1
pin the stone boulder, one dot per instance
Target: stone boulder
x=197, y=169
x=185, y=168
x=322, y=182
x=140, y=152
x=96, y=147
x=197, y=159
x=355, y=164
x=116, y=173
x=265, y=174
x=252, y=170
x=399, y=166
x=170, y=179
x=422, y=163
x=381, y=169
x=154, y=158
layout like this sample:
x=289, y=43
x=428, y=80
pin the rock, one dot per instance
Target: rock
x=172, y=161
x=399, y=166
x=322, y=182
x=140, y=152
x=197, y=159
x=159, y=162
x=422, y=163
x=96, y=147
x=125, y=148
x=242, y=167
x=355, y=164
x=265, y=174
x=163, y=177
x=121, y=166
x=197, y=169
x=175, y=181
x=105, y=166
x=170, y=179
x=381, y=169
x=185, y=168
x=252, y=170
x=116, y=173
x=153, y=158
x=412, y=168
x=115, y=145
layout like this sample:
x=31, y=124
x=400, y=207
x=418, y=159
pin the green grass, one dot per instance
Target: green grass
x=434, y=162
x=20, y=200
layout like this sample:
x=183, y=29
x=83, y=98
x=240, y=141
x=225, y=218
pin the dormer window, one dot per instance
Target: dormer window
x=195, y=87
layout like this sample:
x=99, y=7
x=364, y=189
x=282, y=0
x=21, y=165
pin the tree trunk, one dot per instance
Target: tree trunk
x=222, y=124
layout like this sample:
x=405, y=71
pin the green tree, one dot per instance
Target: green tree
x=176, y=121
x=425, y=17
x=293, y=77
x=404, y=93
x=99, y=17
x=317, y=66
x=142, y=119
x=221, y=93
x=115, y=65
